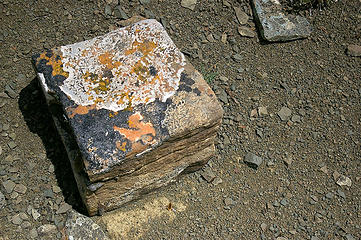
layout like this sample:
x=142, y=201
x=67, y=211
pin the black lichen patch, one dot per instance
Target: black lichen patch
x=153, y=71
x=196, y=91
x=186, y=84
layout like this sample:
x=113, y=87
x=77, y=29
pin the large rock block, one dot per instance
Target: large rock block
x=276, y=26
x=133, y=113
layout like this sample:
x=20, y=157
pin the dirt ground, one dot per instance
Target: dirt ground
x=292, y=195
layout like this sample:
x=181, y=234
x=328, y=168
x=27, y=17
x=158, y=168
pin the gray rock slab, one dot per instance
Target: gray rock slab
x=284, y=113
x=354, y=50
x=253, y=160
x=2, y=200
x=80, y=227
x=275, y=26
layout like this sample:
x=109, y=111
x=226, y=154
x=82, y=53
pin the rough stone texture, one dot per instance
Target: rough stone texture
x=137, y=113
x=354, y=50
x=80, y=227
x=253, y=160
x=275, y=26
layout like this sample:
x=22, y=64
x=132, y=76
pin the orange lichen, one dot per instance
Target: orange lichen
x=121, y=146
x=107, y=60
x=139, y=131
x=55, y=62
x=81, y=110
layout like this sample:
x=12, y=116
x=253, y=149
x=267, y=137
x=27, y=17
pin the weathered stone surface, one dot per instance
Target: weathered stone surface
x=276, y=26
x=354, y=50
x=138, y=114
x=80, y=227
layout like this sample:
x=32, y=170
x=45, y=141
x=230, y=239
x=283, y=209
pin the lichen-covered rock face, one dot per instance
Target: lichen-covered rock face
x=138, y=111
x=124, y=68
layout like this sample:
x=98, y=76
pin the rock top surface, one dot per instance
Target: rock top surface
x=276, y=26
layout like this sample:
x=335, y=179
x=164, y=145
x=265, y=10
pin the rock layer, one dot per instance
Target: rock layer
x=137, y=114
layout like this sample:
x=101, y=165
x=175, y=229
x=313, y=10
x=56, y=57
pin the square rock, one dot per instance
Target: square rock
x=132, y=112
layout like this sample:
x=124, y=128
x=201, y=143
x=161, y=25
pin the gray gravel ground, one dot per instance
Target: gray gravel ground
x=295, y=106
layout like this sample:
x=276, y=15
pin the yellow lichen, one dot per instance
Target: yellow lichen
x=55, y=62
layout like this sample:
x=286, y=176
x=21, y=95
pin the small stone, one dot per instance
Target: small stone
x=344, y=181
x=262, y=111
x=281, y=238
x=252, y=160
x=144, y=2
x=48, y=193
x=284, y=113
x=263, y=227
x=80, y=227
x=314, y=198
x=324, y=169
x=296, y=118
x=190, y=4
x=210, y=38
x=229, y=201
x=223, y=79
x=242, y=17
x=35, y=214
x=237, y=57
x=12, y=144
x=2, y=200
x=354, y=50
x=23, y=216
x=259, y=132
x=217, y=180
x=14, y=195
x=336, y=175
x=253, y=113
x=246, y=32
x=329, y=195
x=63, y=208
x=341, y=194
x=56, y=189
x=10, y=92
x=107, y=10
x=26, y=224
x=46, y=229
x=314, y=238
x=284, y=202
x=16, y=219
x=1, y=150
x=224, y=38
x=119, y=13
x=208, y=175
x=9, y=186
x=276, y=203
x=288, y=161
x=33, y=233
x=349, y=237
x=20, y=188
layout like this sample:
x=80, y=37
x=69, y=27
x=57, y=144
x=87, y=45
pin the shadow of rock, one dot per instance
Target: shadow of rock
x=39, y=120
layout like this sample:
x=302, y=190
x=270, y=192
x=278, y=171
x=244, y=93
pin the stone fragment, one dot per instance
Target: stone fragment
x=12, y=144
x=288, y=161
x=20, y=188
x=80, y=227
x=216, y=181
x=137, y=113
x=354, y=50
x=190, y=4
x=242, y=17
x=33, y=234
x=16, y=219
x=262, y=111
x=2, y=200
x=284, y=113
x=63, y=208
x=264, y=227
x=9, y=186
x=344, y=181
x=253, y=160
x=46, y=229
x=10, y=92
x=274, y=25
x=56, y=189
x=208, y=175
x=35, y=214
x=246, y=32
x=119, y=13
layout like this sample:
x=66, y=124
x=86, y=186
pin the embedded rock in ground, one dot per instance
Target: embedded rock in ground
x=132, y=112
x=80, y=227
x=274, y=25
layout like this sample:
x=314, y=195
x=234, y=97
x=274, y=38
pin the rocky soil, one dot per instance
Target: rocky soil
x=289, y=159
